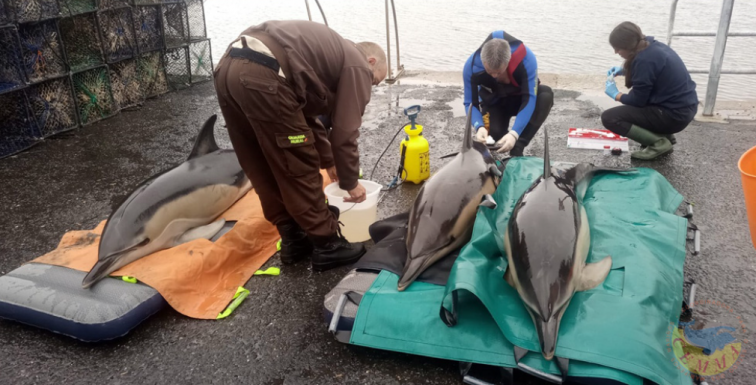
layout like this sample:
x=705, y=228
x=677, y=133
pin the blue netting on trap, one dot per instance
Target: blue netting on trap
x=42, y=51
x=11, y=73
x=52, y=106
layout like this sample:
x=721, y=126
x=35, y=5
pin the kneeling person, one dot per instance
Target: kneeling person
x=662, y=100
x=501, y=79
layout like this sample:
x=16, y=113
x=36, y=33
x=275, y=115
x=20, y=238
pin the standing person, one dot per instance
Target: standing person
x=272, y=83
x=501, y=79
x=662, y=100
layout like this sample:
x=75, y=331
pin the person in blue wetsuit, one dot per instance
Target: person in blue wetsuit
x=662, y=100
x=501, y=79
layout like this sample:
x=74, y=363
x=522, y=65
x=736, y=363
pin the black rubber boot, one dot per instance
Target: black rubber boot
x=335, y=251
x=295, y=245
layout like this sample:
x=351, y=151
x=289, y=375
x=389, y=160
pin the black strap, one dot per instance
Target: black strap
x=255, y=57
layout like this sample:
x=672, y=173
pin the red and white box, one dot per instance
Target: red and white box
x=595, y=139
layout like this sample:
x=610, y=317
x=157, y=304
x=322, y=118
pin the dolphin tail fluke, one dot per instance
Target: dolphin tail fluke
x=594, y=274
x=547, y=335
x=467, y=139
x=205, y=142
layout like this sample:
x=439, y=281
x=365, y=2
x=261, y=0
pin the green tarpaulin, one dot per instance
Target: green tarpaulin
x=617, y=330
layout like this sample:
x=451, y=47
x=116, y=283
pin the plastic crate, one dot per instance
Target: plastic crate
x=200, y=61
x=42, y=51
x=11, y=71
x=35, y=10
x=17, y=130
x=148, y=28
x=196, y=19
x=113, y=4
x=94, y=100
x=126, y=84
x=151, y=70
x=81, y=41
x=52, y=106
x=175, y=24
x=177, y=68
x=76, y=7
x=7, y=16
x=117, y=29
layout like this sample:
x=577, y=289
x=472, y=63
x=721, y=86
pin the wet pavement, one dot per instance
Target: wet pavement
x=278, y=336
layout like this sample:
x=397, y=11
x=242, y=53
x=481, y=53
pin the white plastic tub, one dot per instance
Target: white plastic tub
x=356, y=217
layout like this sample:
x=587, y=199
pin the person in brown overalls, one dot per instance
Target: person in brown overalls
x=272, y=83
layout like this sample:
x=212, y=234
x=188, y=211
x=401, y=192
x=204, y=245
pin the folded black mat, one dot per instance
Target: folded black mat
x=390, y=251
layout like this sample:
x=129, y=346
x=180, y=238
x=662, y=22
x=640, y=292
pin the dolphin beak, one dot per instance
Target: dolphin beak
x=547, y=335
x=411, y=271
x=100, y=270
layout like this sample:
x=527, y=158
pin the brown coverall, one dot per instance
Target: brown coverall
x=272, y=120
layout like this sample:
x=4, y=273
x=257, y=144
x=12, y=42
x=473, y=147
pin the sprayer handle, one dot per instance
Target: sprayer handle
x=412, y=110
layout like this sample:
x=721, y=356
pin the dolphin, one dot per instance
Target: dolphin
x=442, y=215
x=173, y=207
x=546, y=243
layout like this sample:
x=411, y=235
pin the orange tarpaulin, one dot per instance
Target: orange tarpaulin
x=198, y=278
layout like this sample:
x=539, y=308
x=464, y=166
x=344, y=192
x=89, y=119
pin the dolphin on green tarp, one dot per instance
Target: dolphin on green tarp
x=442, y=215
x=546, y=243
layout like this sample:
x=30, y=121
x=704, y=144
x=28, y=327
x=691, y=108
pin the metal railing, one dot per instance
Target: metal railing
x=723, y=32
x=309, y=16
x=399, y=67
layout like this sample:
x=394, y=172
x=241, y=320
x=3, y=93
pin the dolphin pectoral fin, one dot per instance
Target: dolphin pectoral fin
x=594, y=274
x=206, y=232
x=508, y=277
x=488, y=202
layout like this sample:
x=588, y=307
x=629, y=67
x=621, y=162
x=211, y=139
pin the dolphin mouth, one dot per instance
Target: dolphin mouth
x=99, y=271
x=411, y=271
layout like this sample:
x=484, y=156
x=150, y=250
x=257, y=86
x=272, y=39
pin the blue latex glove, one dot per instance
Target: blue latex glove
x=615, y=71
x=611, y=88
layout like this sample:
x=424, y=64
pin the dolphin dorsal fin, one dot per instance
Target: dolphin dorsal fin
x=468, y=138
x=205, y=142
x=546, y=162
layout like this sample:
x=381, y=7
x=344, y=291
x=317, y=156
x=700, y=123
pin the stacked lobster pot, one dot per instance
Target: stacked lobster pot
x=65, y=64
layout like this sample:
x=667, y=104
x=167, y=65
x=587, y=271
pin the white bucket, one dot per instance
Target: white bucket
x=356, y=217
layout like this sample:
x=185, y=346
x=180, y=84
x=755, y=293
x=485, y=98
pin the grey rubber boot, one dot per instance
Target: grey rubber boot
x=655, y=144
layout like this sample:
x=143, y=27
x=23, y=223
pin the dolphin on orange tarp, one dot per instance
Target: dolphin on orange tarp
x=173, y=207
